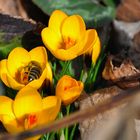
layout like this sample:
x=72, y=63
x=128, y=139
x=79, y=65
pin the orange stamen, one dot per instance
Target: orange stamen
x=69, y=42
x=32, y=119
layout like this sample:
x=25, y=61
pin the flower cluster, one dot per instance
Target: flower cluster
x=66, y=37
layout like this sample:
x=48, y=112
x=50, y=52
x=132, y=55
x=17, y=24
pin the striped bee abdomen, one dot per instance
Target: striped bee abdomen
x=29, y=73
x=34, y=73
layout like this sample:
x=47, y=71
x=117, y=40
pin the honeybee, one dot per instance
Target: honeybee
x=29, y=73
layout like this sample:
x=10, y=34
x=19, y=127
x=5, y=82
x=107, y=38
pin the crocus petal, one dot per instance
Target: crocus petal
x=6, y=106
x=89, y=40
x=17, y=58
x=47, y=74
x=54, y=43
x=66, y=81
x=27, y=101
x=34, y=138
x=6, y=77
x=71, y=52
x=4, y=72
x=73, y=27
x=50, y=102
x=96, y=50
x=13, y=83
x=56, y=19
x=11, y=124
x=39, y=55
x=64, y=54
x=51, y=107
x=51, y=39
x=7, y=116
x=71, y=95
x=68, y=89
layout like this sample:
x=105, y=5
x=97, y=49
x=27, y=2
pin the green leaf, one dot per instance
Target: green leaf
x=93, y=13
x=109, y=2
x=6, y=47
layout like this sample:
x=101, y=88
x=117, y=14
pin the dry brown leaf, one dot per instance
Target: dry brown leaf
x=112, y=72
x=92, y=125
x=121, y=74
x=11, y=27
x=13, y=8
x=118, y=123
x=129, y=10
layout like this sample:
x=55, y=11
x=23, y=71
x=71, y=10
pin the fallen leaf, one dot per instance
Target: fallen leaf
x=120, y=75
x=115, y=124
x=13, y=8
x=14, y=26
x=137, y=124
x=129, y=10
x=91, y=125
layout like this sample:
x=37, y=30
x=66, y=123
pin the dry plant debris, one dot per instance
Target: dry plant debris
x=125, y=76
x=129, y=10
x=119, y=123
x=91, y=126
x=13, y=8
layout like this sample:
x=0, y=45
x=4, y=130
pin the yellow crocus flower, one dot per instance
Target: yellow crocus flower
x=68, y=89
x=28, y=110
x=66, y=36
x=94, y=52
x=25, y=68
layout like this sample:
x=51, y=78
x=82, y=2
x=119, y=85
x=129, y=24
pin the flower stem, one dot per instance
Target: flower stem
x=67, y=129
x=51, y=137
x=89, y=78
x=93, y=72
x=47, y=136
x=65, y=68
x=72, y=132
x=96, y=70
x=81, y=75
